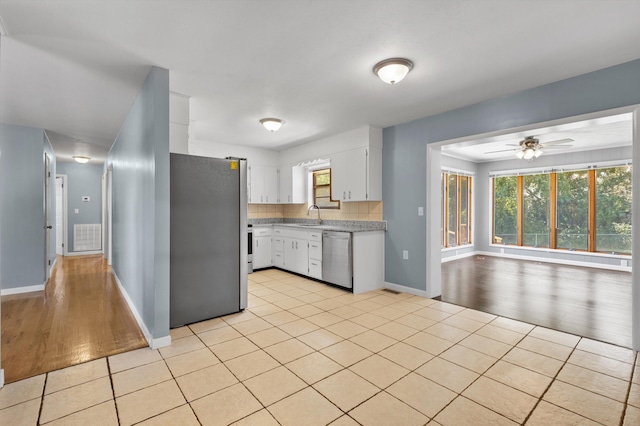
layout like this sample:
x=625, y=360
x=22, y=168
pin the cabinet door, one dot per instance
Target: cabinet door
x=302, y=256
x=261, y=252
x=356, y=161
x=286, y=185
x=296, y=255
x=256, y=173
x=339, y=176
x=289, y=254
x=271, y=185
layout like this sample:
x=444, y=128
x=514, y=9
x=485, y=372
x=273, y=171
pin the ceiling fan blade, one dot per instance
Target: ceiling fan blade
x=557, y=146
x=501, y=150
x=556, y=142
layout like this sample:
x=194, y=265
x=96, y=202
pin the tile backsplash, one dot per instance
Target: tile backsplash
x=362, y=210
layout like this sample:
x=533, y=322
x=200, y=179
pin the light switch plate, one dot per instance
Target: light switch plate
x=420, y=211
x=76, y=211
x=405, y=254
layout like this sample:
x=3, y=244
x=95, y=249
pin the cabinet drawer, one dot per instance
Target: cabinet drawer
x=278, y=260
x=315, y=236
x=261, y=232
x=315, y=269
x=278, y=231
x=315, y=250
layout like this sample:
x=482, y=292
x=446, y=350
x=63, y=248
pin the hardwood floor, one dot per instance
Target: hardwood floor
x=81, y=316
x=589, y=302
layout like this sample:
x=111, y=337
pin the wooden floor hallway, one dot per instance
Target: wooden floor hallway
x=79, y=317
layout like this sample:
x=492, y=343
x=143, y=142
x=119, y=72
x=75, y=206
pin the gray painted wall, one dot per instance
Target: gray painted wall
x=22, y=203
x=404, y=150
x=140, y=159
x=82, y=179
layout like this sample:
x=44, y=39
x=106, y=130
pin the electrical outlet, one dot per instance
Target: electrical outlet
x=76, y=211
x=501, y=251
x=405, y=254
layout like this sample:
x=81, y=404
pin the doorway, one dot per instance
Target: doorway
x=484, y=222
x=47, y=218
x=61, y=214
x=107, y=214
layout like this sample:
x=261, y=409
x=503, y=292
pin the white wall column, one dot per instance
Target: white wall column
x=635, y=226
x=433, y=212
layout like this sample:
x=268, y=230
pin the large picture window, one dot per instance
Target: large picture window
x=456, y=210
x=581, y=210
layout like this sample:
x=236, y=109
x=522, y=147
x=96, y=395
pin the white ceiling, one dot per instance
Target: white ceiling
x=605, y=132
x=75, y=67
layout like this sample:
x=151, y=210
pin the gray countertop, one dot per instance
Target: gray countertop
x=327, y=225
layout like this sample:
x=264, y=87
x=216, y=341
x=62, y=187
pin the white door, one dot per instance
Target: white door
x=60, y=207
x=47, y=217
x=109, y=215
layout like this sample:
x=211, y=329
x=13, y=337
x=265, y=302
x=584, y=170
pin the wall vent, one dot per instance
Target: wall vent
x=87, y=237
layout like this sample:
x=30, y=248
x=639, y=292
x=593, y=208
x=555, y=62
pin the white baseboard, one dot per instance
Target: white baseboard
x=556, y=261
x=405, y=289
x=460, y=256
x=83, y=253
x=161, y=342
x=53, y=265
x=19, y=290
x=153, y=343
x=1, y=378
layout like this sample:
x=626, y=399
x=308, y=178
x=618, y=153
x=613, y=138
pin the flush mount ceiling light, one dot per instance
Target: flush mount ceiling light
x=272, y=124
x=81, y=159
x=393, y=70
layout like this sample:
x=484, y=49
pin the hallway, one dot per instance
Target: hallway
x=81, y=316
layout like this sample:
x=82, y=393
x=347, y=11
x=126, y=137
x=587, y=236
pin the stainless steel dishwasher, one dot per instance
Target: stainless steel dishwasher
x=337, y=261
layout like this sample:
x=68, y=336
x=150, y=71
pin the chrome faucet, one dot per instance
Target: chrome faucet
x=316, y=207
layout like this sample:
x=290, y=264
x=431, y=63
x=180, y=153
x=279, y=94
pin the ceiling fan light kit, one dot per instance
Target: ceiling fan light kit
x=530, y=149
x=393, y=70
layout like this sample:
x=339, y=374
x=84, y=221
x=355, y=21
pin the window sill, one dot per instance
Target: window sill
x=577, y=253
x=466, y=246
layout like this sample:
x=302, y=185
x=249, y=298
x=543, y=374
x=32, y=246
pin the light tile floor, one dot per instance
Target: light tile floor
x=305, y=353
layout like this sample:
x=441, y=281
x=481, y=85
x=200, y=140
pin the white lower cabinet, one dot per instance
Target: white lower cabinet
x=296, y=255
x=296, y=249
x=262, y=253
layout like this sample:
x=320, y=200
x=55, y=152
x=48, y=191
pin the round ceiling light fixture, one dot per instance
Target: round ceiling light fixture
x=81, y=159
x=272, y=124
x=393, y=70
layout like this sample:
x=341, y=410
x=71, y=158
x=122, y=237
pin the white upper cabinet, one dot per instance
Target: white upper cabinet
x=292, y=185
x=263, y=185
x=356, y=175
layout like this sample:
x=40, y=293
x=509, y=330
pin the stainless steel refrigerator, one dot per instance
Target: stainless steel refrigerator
x=208, y=255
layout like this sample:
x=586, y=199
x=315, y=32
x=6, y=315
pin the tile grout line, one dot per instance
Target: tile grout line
x=555, y=377
x=483, y=374
x=626, y=400
x=44, y=387
x=178, y=385
x=113, y=391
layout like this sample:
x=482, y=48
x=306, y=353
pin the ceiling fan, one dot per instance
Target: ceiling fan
x=531, y=147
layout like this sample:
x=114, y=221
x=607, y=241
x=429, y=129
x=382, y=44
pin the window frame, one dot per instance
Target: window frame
x=315, y=186
x=445, y=196
x=592, y=212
